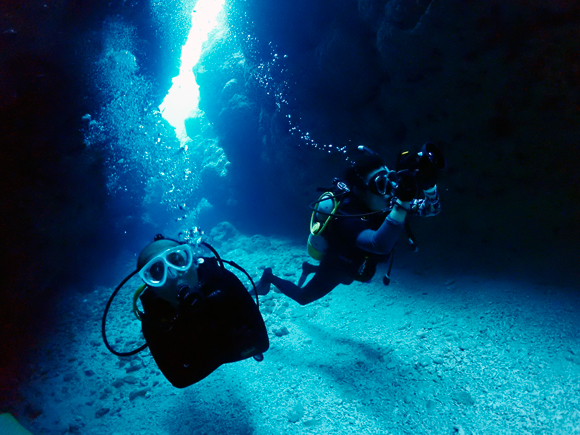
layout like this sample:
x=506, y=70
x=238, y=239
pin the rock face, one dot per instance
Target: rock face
x=495, y=85
x=56, y=220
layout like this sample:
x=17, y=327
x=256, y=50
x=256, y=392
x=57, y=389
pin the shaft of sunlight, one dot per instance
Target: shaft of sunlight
x=182, y=100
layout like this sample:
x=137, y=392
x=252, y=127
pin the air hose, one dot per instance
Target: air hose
x=104, y=321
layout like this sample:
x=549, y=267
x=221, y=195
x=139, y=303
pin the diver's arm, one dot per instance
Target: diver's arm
x=382, y=240
x=429, y=206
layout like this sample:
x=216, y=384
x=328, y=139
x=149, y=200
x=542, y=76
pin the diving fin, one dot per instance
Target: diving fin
x=9, y=426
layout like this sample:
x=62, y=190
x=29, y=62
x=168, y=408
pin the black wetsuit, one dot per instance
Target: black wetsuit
x=224, y=326
x=343, y=261
x=353, y=253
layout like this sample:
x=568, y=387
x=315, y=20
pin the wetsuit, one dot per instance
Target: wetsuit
x=355, y=246
x=190, y=342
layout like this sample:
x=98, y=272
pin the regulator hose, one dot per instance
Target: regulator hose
x=104, y=321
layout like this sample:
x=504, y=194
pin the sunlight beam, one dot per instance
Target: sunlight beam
x=182, y=100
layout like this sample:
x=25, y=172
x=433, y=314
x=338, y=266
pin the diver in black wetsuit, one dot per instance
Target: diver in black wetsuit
x=197, y=315
x=366, y=224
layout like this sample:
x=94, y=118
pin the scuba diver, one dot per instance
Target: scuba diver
x=196, y=314
x=355, y=226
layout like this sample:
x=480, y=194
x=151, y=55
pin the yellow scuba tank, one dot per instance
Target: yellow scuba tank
x=323, y=211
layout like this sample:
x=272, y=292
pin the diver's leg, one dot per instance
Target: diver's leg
x=307, y=269
x=322, y=283
x=263, y=286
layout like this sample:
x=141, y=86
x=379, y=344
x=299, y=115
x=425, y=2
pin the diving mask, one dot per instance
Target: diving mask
x=380, y=183
x=179, y=258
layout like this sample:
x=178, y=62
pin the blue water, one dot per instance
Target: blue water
x=477, y=332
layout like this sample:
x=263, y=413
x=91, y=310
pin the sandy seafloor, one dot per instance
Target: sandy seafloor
x=429, y=354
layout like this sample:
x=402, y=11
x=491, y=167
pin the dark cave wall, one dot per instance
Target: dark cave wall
x=498, y=86
x=495, y=85
x=59, y=229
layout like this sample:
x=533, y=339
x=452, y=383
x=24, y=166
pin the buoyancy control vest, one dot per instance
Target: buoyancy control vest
x=322, y=215
x=188, y=344
x=225, y=326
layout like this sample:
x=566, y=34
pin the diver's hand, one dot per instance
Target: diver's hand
x=407, y=185
x=431, y=163
x=427, y=176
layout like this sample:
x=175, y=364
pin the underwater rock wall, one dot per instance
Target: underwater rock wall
x=495, y=85
x=59, y=226
x=52, y=192
x=498, y=85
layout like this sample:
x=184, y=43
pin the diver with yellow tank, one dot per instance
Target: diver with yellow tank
x=355, y=226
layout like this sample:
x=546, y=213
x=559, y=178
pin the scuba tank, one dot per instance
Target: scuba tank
x=323, y=211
